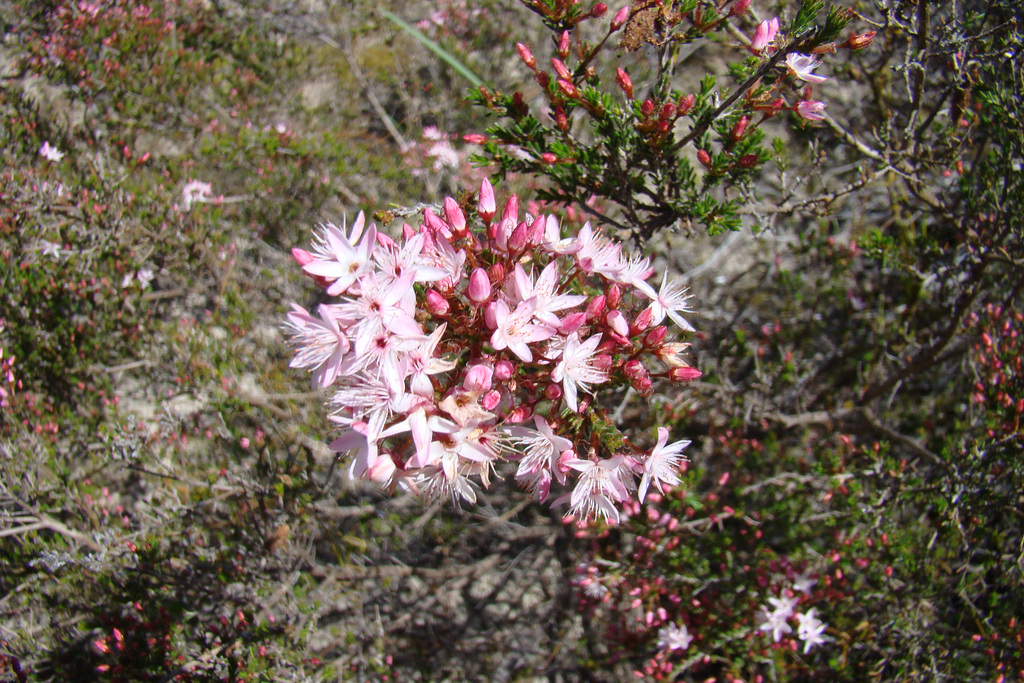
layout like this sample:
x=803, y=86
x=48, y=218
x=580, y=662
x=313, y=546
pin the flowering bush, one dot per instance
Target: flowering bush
x=454, y=349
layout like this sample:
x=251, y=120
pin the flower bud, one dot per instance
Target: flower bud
x=595, y=307
x=301, y=256
x=602, y=362
x=643, y=386
x=496, y=273
x=553, y=392
x=624, y=83
x=685, y=105
x=563, y=45
x=614, y=296
x=453, y=215
x=568, y=89
x=478, y=378
x=656, y=336
x=386, y=241
x=748, y=161
x=434, y=223
x=739, y=7
x=668, y=110
x=561, y=69
x=437, y=305
x=491, y=315
x=543, y=79
x=620, y=18
x=633, y=369
x=617, y=322
x=517, y=240
x=647, y=108
x=664, y=126
x=558, y=116
x=599, y=10
x=408, y=232
x=572, y=322
x=526, y=56
x=740, y=128
x=684, y=374
x=642, y=321
x=535, y=236
x=859, y=41
x=520, y=414
x=479, y=289
x=475, y=139
x=549, y=158
x=503, y=370
x=491, y=399
x=704, y=158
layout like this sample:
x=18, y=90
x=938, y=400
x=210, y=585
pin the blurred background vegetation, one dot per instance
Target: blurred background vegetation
x=168, y=507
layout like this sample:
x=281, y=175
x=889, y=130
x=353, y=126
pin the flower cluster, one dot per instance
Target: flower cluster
x=451, y=350
x=810, y=629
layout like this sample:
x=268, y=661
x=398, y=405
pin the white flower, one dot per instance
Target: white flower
x=803, y=66
x=50, y=152
x=662, y=464
x=775, y=623
x=810, y=630
x=575, y=370
x=342, y=260
x=674, y=637
x=670, y=300
x=195, y=191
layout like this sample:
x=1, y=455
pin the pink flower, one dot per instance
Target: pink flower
x=194, y=191
x=810, y=110
x=342, y=260
x=51, y=153
x=662, y=464
x=803, y=66
x=764, y=35
x=575, y=369
x=515, y=331
x=320, y=344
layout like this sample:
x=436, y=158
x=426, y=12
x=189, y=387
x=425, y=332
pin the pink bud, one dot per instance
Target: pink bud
x=437, y=305
x=739, y=7
x=617, y=322
x=491, y=399
x=668, y=110
x=526, y=56
x=479, y=289
x=485, y=205
x=685, y=105
x=656, y=336
x=475, y=139
x=386, y=241
x=503, y=370
x=301, y=256
x=563, y=45
x=740, y=128
x=859, y=41
x=647, y=108
x=517, y=240
x=704, y=158
x=596, y=307
x=549, y=158
x=620, y=18
x=633, y=369
x=764, y=35
x=520, y=414
x=643, y=385
x=453, y=214
x=496, y=273
x=623, y=81
x=748, y=161
x=561, y=69
x=435, y=224
x=558, y=115
x=572, y=322
x=553, y=392
x=602, y=362
x=542, y=78
x=510, y=212
x=408, y=232
x=684, y=374
x=614, y=296
x=478, y=378
x=568, y=89
x=491, y=315
x=643, y=321
x=599, y=10
x=535, y=236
